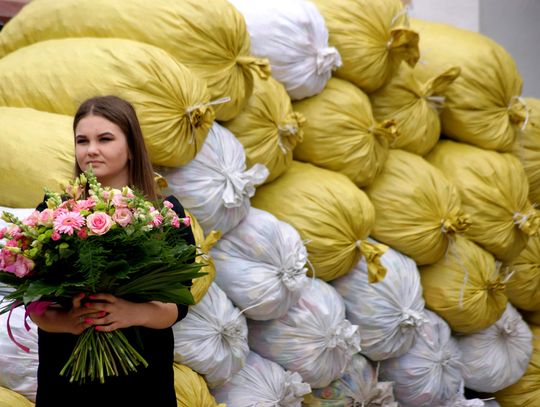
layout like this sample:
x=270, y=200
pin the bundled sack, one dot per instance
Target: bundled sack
x=497, y=356
x=493, y=189
x=465, y=287
x=482, y=106
x=209, y=38
x=415, y=105
x=171, y=102
x=191, y=389
x=341, y=134
x=212, y=338
x=261, y=265
x=262, y=382
x=293, y=36
x=37, y=151
x=216, y=186
x=313, y=338
x=390, y=313
x=335, y=218
x=268, y=128
x=9, y=398
x=371, y=37
x=418, y=209
x=357, y=386
x=526, y=391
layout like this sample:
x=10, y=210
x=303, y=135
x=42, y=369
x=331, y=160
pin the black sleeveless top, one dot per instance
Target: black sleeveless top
x=148, y=387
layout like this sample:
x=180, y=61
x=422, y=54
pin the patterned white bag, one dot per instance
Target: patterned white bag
x=215, y=186
x=498, y=356
x=260, y=265
x=293, y=36
x=262, y=383
x=313, y=338
x=389, y=313
x=212, y=338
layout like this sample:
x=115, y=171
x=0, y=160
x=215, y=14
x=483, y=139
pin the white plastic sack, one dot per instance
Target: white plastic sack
x=293, y=36
x=389, y=313
x=260, y=265
x=498, y=356
x=430, y=373
x=313, y=338
x=18, y=369
x=215, y=186
x=212, y=338
x=262, y=383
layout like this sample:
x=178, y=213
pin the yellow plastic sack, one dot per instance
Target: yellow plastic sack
x=37, y=151
x=332, y=214
x=372, y=37
x=464, y=287
x=341, y=134
x=9, y=398
x=527, y=148
x=482, y=106
x=523, y=285
x=268, y=128
x=56, y=76
x=191, y=389
x=210, y=38
x=526, y=392
x=415, y=105
x=531, y=317
x=493, y=189
x=418, y=211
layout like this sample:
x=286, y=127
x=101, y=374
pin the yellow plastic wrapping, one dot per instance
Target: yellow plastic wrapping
x=335, y=217
x=341, y=134
x=9, y=398
x=418, y=211
x=531, y=317
x=56, y=76
x=526, y=391
x=494, y=191
x=268, y=128
x=191, y=389
x=372, y=37
x=37, y=151
x=415, y=105
x=465, y=287
x=527, y=148
x=482, y=105
x=210, y=38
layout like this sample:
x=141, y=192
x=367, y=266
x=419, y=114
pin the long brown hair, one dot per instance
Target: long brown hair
x=122, y=113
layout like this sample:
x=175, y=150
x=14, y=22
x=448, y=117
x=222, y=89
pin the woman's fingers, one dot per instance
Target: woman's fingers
x=76, y=301
x=103, y=297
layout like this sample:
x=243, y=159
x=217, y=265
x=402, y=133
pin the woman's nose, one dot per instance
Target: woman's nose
x=92, y=148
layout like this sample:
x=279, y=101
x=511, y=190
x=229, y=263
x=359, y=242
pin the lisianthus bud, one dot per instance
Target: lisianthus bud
x=168, y=204
x=56, y=236
x=186, y=221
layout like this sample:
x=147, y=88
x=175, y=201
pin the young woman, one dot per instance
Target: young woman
x=108, y=138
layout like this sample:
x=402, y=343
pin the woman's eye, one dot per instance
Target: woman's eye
x=82, y=141
x=105, y=139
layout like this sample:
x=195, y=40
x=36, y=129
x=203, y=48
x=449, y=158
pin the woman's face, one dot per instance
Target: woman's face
x=103, y=145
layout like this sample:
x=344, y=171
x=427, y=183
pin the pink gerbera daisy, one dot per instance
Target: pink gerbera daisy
x=68, y=222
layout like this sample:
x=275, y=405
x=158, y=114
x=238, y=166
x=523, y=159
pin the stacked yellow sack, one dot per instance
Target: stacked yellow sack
x=57, y=75
x=418, y=211
x=527, y=148
x=465, y=287
x=482, y=106
x=191, y=389
x=9, y=398
x=335, y=218
x=268, y=128
x=531, y=317
x=372, y=37
x=341, y=134
x=415, y=105
x=523, y=285
x=210, y=38
x=37, y=151
x=526, y=392
x=494, y=191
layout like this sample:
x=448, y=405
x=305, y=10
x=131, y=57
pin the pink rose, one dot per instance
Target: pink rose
x=186, y=221
x=7, y=258
x=56, y=236
x=14, y=231
x=99, y=223
x=122, y=216
x=32, y=219
x=46, y=217
x=119, y=201
x=21, y=267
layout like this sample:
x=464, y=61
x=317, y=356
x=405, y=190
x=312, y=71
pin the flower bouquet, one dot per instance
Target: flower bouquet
x=97, y=240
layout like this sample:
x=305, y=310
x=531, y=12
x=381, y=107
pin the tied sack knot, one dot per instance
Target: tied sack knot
x=529, y=222
x=455, y=223
x=438, y=85
x=373, y=253
x=519, y=112
x=294, y=389
x=234, y=332
x=293, y=271
x=510, y=326
x=290, y=131
x=386, y=131
x=328, y=59
x=344, y=336
x=463, y=402
x=240, y=185
x=259, y=65
x=496, y=285
x=411, y=319
x=403, y=43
